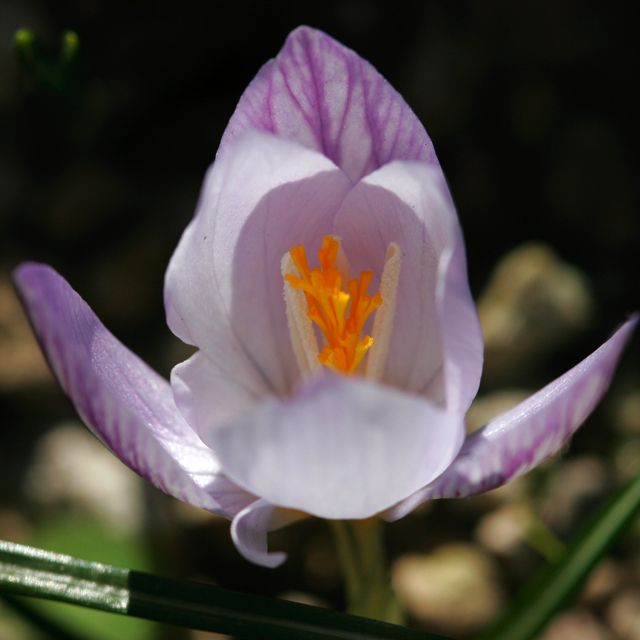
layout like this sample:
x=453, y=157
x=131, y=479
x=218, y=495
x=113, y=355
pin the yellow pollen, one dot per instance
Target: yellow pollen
x=340, y=315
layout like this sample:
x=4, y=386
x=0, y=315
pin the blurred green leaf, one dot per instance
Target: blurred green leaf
x=544, y=597
x=42, y=626
x=34, y=572
x=53, y=72
x=89, y=539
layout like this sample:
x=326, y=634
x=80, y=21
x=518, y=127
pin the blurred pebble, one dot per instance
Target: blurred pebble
x=603, y=582
x=12, y=627
x=627, y=414
x=577, y=624
x=626, y=459
x=72, y=469
x=502, y=530
x=623, y=615
x=22, y=362
x=532, y=303
x=571, y=485
x=14, y=526
x=454, y=588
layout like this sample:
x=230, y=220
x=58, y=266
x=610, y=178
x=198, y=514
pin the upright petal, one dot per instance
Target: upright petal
x=223, y=290
x=250, y=527
x=436, y=344
x=323, y=95
x=338, y=447
x=528, y=434
x=124, y=402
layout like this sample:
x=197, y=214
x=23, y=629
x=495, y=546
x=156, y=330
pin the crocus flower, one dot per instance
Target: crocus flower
x=334, y=387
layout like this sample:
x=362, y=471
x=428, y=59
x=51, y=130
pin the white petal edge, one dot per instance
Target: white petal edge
x=250, y=527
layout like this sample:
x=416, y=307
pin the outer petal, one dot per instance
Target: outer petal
x=436, y=345
x=528, y=434
x=223, y=290
x=338, y=447
x=206, y=395
x=124, y=402
x=250, y=527
x=326, y=97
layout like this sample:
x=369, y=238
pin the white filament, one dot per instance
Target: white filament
x=383, y=321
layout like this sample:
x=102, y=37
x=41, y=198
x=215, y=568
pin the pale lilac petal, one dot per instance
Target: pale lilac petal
x=206, y=395
x=223, y=290
x=323, y=95
x=338, y=447
x=124, y=402
x=436, y=344
x=528, y=434
x=249, y=531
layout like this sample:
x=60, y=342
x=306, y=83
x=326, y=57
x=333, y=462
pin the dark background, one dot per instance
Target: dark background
x=532, y=107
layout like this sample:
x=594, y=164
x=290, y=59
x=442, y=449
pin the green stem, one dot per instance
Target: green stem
x=360, y=546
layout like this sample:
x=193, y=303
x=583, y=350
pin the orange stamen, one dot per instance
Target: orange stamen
x=340, y=315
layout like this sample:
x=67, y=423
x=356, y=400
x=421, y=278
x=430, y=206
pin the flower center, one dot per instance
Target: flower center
x=339, y=315
x=316, y=296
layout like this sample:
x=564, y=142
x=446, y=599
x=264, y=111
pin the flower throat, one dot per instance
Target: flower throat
x=317, y=296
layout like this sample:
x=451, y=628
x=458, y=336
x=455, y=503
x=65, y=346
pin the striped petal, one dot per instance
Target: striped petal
x=125, y=403
x=324, y=96
x=523, y=437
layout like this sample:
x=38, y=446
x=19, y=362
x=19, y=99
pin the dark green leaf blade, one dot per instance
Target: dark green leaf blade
x=42, y=574
x=544, y=597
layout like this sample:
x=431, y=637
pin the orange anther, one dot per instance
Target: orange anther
x=340, y=315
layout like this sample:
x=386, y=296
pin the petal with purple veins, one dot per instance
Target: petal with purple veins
x=528, y=434
x=124, y=402
x=323, y=95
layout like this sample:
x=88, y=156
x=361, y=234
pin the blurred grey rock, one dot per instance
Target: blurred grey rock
x=572, y=484
x=503, y=530
x=626, y=459
x=73, y=470
x=577, y=624
x=623, y=615
x=607, y=578
x=455, y=588
x=627, y=414
x=533, y=302
x=22, y=362
x=14, y=526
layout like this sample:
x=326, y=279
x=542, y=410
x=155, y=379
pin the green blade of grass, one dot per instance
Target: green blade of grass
x=545, y=596
x=34, y=572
